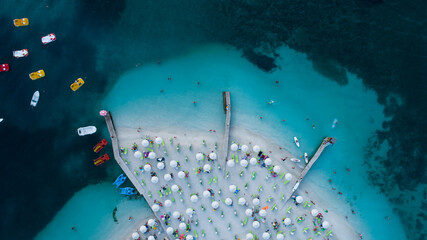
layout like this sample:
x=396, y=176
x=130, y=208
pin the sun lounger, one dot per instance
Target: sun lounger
x=241, y=173
x=216, y=179
x=281, y=176
x=203, y=233
x=150, y=149
x=210, y=181
x=318, y=233
x=271, y=168
x=160, y=194
x=126, y=161
x=169, y=190
x=328, y=233
x=163, y=142
x=285, y=182
x=173, y=199
x=309, y=205
x=274, y=207
x=260, y=189
x=288, y=210
x=246, y=221
x=136, y=172
x=195, y=234
x=305, y=204
x=253, y=175
x=126, y=150
x=275, y=186
x=143, y=182
x=292, y=232
x=227, y=174
x=149, y=194
x=282, y=197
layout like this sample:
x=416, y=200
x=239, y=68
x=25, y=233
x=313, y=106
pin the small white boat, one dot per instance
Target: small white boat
x=48, y=38
x=306, y=157
x=296, y=141
x=334, y=123
x=35, y=98
x=1, y=119
x=295, y=160
x=86, y=130
x=20, y=53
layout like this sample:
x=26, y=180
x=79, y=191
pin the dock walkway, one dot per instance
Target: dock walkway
x=227, y=110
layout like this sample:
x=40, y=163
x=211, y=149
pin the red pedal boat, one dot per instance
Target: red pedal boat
x=100, y=145
x=101, y=160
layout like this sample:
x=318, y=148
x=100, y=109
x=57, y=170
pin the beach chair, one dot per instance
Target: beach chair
x=253, y=175
x=149, y=194
x=227, y=174
x=274, y=207
x=165, y=152
x=285, y=182
x=271, y=168
x=232, y=156
x=305, y=204
x=318, y=233
x=216, y=179
x=126, y=161
x=195, y=170
x=305, y=230
x=150, y=149
x=246, y=221
x=292, y=232
x=275, y=187
x=288, y=210
x=269, y=199
x=126, y=150
x=241, y=173
x=163, y=142
x=210, y=181
x=143, y=182
x=160, y=194
x=136, y=172
x=173, y=199
x=282, y=197
x=169, y=190
x=203, y=233
x=260, y=189
x=281, y=176
x=329, y=233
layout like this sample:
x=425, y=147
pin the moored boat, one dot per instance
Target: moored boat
x=36, y=75
x=21, y=22
x=35, y=99
x=334, y=123
x=4, y=67
x=127, y=191
x=101, y=160
x=295, y=160
x=306, y=157
x=86, y=130
x=77, y=84
x=48, y=38
x=120, y=180
x=20, y=53
x=100, y=145
x=296, y=141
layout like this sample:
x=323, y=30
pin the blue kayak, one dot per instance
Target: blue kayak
x=120, y=179
x=127, y=191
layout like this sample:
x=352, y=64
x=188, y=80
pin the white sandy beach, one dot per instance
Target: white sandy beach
x=340, y=227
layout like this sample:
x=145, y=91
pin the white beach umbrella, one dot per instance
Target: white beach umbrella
x=263, y=213
x=244, y=148
x=199, y=156
x=280, y=236
x=169, y=230
x=243, y=163
x=255, y=224
x=288, y=176
x=189, y=237
x=152, y=155
x=173, y=164
x=228, y=201
x=266, y=235
x=287, y=221
x=255, y=201
x=143, y=229
x=314, y=212
x=206, y=194
x=160, y=165
x=230, y=163
x=168, y=203
x=232, y=188
x=181, y=174
x=137, y=154
x=277, y=169
x=234, y=147
x=176, y=214
x=256, y=149
x=155, y=208
x=299, y=199
x=194, y=198
x=151, y=222
x=249, y=236
x=189, y=212
x=325, y=224
x=145, y=143
x=154, y=179
x=215, y=204
x=158, y=140
x=167, y=177
x=268, y=161
x=212, y=156
x=147, y=167
x=248, y=212
x=242, y=201
x=175, y=188
x=207, y=167
x=150, y=238
x=135, y=235
x=182, y=226
x=253, y=161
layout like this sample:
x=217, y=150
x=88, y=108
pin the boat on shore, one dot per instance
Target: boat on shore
x=295, y=160
x=35, y=99
x=296, y=141
x=100, y=145
x=86, y=130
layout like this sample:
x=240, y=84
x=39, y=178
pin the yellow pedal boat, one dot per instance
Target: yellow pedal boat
x=77, y=84
x=21, y=22
x=37, y=75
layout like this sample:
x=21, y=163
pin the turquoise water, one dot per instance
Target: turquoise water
x=301, y=94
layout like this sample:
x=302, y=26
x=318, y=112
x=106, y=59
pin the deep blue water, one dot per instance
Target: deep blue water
x=44, y=162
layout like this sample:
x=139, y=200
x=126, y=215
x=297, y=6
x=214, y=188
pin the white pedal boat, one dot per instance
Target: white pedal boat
x=20, y=53
x=48, y=38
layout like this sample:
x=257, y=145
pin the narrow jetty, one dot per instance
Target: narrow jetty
x=124, y=166
x=227, y=110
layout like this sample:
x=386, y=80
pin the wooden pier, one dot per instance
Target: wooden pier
x=124, y=166
x=227, y=110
